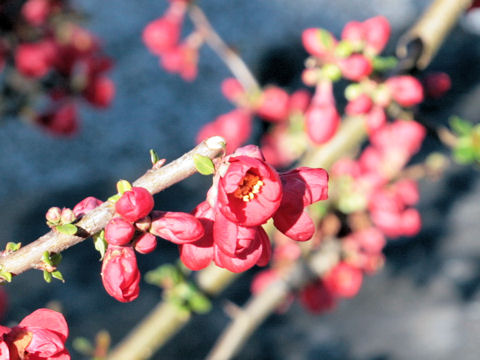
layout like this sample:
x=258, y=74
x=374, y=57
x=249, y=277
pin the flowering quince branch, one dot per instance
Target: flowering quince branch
x=154, y=181
x=229, y=57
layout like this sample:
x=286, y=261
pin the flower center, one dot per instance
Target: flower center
x=250, y=185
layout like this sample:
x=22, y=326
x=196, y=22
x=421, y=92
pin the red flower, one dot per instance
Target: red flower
x=235, y=127
x=356, y=67
x=61, y=120
x=252, y=247
x=177, y=227
x=35, y=59
x=321, y=123
x=100, y=91
x=406, y=90
x=120, y=275
x=274, y=104
x=344, y=280
x=317, y=298
x=377, y=32
x=162, y=34
x=198, y=254
x=86, y=205
x=249, y=192
x=119, y=232
x=135, y=204
x=40, y=335
x=36, y=11
x=301, y=187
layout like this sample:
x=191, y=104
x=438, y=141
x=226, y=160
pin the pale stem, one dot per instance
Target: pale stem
x=231, y=59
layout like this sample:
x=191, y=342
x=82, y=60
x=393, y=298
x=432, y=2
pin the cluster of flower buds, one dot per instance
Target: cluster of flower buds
x=246, y=193
x=162, y=38
x=40, y=335
x=54, y=58
x=136, y=229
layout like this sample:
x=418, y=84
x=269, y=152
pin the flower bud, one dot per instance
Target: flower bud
x=86, y=205
x=321, y=123
x=356, y=67
x=67, y=216
x=144, y=224
x=53, y=215
x=344, y=280
x=145, y=243
x=406, y=90
x=36, y=11
x=119, y=232
x=274, y=104
x=134, y=204
x=360, y=105
x=377, y=32
x=177, y=227
x=120, y=274
x=318, y=42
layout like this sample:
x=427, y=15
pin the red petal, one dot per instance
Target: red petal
x=46, y=319
x=177, y=227
x=266, y=247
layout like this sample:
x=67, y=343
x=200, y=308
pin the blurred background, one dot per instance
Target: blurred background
x=425, y=304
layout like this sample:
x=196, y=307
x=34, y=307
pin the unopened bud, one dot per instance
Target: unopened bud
x=67, y=216
x=53, y=215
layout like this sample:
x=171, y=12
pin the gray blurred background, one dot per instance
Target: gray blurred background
x=424, y=305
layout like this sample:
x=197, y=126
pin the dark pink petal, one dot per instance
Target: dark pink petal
x=266, y=247
x=249, y=251
x=134, y=204
x=177, y=227
x=298, y=228
x=225, y=234
x=197, y=255
x=311, y=183
x=86, y=205
x=46, y=319
x=145, y=243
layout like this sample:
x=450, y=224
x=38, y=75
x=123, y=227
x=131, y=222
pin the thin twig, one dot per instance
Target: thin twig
x=154, y=180
x=234, y=62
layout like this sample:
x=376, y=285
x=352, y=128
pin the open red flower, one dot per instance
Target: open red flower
x=249, y=192
x=301, y=187
x=40, y=336
x=120, y=274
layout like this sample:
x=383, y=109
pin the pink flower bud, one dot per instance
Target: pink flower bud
x=355, y=67
x=273, y=104
x=100, y=91
x=407, y=190
x=120, y=275
x=161, y=35
x=145, y=243
x=134, y=204
x=235, y=127
x=437, y=84
x=360, y=105
x=232, y=89
x=317, y=298
x=321, y=123
x=299, y=101
x=377, y=32
x=344, y=280
x=119, y=232
x=181, y=59
x=61, y=120
x=36, y=11
x=53, y=215
x=353, y=32
x=67, y=216
x=34, y=59
x=406, y=90
x=86, y=205
x=177, y=227
x=375, y=119
x=318, y=42
x=411, y=222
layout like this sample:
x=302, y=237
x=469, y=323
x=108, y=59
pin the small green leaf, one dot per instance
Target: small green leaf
x=46, y=258
x=5, y=275
x=460, y=126
x=47, y=276
x=203, y=164
x=344, y=49
x=123, y=186
x=55, y=258
x=83, y=346
x=100, y=243
x=12, y=247
x=67, y=229
x=382, y=64
x=325, y=38
x=114, y=198
x=58, y=275
x=199, y=303
x=332, y=72
x=153, y=156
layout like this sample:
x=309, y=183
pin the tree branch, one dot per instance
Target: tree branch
x=234, y=62
x=154, y=180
